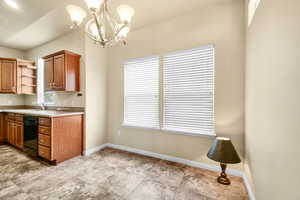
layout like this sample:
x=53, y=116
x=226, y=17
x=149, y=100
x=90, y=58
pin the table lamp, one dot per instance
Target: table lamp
x=223, y=151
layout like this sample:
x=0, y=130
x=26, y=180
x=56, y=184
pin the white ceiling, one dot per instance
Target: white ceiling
x=39, y=21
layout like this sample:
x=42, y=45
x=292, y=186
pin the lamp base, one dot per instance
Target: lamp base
x=223, y=179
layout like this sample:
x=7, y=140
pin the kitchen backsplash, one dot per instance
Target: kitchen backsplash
x=11, y=99
x=58, y=99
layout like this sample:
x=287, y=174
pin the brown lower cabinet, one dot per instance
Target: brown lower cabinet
x=15, y=130
x=2, y=128
x=59, y=138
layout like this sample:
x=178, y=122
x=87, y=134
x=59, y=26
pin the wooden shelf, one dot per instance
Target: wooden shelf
x=28, y=85
x=28, y=66
x=22, y=76
x=29, y=76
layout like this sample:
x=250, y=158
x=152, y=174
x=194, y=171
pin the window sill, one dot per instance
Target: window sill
x=171, y=131
x=140, y=127
x=189, y=134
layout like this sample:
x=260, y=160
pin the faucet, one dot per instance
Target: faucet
x=42, y=105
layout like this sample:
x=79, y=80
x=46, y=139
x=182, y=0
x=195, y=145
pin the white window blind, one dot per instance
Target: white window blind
x=189, y=91
x=141, y=103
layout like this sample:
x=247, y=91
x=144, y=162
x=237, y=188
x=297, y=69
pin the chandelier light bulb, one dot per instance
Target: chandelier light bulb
x=76, y=13
x=94, y=4
x=124, y=32
x=125, y=12
x=12, y=4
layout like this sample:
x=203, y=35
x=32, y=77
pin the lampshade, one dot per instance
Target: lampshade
x=94, y=4
x=76, y=13
x=223, y=151
x=125, y=13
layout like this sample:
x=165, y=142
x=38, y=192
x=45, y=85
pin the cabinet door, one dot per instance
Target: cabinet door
x=48, y=73
x=8, y=77
x=11, y=133
x=2, y=131
x=59, y=73
x=19, y=135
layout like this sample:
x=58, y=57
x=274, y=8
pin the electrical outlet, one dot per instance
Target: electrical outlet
x=119, y=132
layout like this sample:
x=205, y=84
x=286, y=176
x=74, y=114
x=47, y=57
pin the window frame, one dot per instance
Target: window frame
x=124, y=124
x=161, y=99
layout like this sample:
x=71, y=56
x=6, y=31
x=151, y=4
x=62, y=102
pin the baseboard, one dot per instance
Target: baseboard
x=175, y=159
x=248, y=187
x=191, y=163
x=93, y=150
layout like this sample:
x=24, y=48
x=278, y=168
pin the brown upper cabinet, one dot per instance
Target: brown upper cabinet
x=62, y=71
x=17, y=76
x=8, y=76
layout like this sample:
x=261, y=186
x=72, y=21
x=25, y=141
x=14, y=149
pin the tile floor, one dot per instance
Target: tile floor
x=109, y=174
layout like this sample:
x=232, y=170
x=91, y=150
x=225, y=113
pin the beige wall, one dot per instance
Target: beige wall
x=73, y=41
x=10, y=99
x=11, y=53
x=96, y=94
x=93, y=83
x=221, y=24
x=272, y=100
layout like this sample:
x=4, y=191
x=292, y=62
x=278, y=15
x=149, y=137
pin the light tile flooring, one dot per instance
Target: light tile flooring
x=109, y=174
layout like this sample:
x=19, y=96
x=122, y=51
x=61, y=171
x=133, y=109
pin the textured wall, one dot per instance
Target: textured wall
x=220, y=24
x=272, y=100
x=96, y=94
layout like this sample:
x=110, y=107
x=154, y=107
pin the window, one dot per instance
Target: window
x=189, y=91
x=141, y=97
x=40, y=80
x=252, y=7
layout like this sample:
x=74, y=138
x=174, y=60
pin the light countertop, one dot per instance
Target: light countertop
x=42, y=113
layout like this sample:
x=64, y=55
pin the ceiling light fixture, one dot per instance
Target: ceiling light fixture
x=102, y=27
x=12, y=4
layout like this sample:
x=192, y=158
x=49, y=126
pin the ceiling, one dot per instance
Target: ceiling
x=39, y=21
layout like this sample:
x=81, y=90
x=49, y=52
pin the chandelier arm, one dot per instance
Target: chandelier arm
x=98, y=27
x=123, y=26
x=92, y=37
x=112, y=20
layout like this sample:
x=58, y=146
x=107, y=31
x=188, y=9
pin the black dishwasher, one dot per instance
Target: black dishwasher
x=31, y=134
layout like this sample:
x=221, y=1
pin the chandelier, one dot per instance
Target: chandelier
x=102, y=27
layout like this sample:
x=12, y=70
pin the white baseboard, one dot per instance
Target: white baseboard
x=175, y=159
x=232, y=172
x=248, y=187
x=93, y=150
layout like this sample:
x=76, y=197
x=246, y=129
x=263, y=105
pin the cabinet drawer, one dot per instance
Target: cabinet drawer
x=44, y=130
x=19, y=118
x=44, y=140
x=44, y=121
x=44, y=152
x=11, y=116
